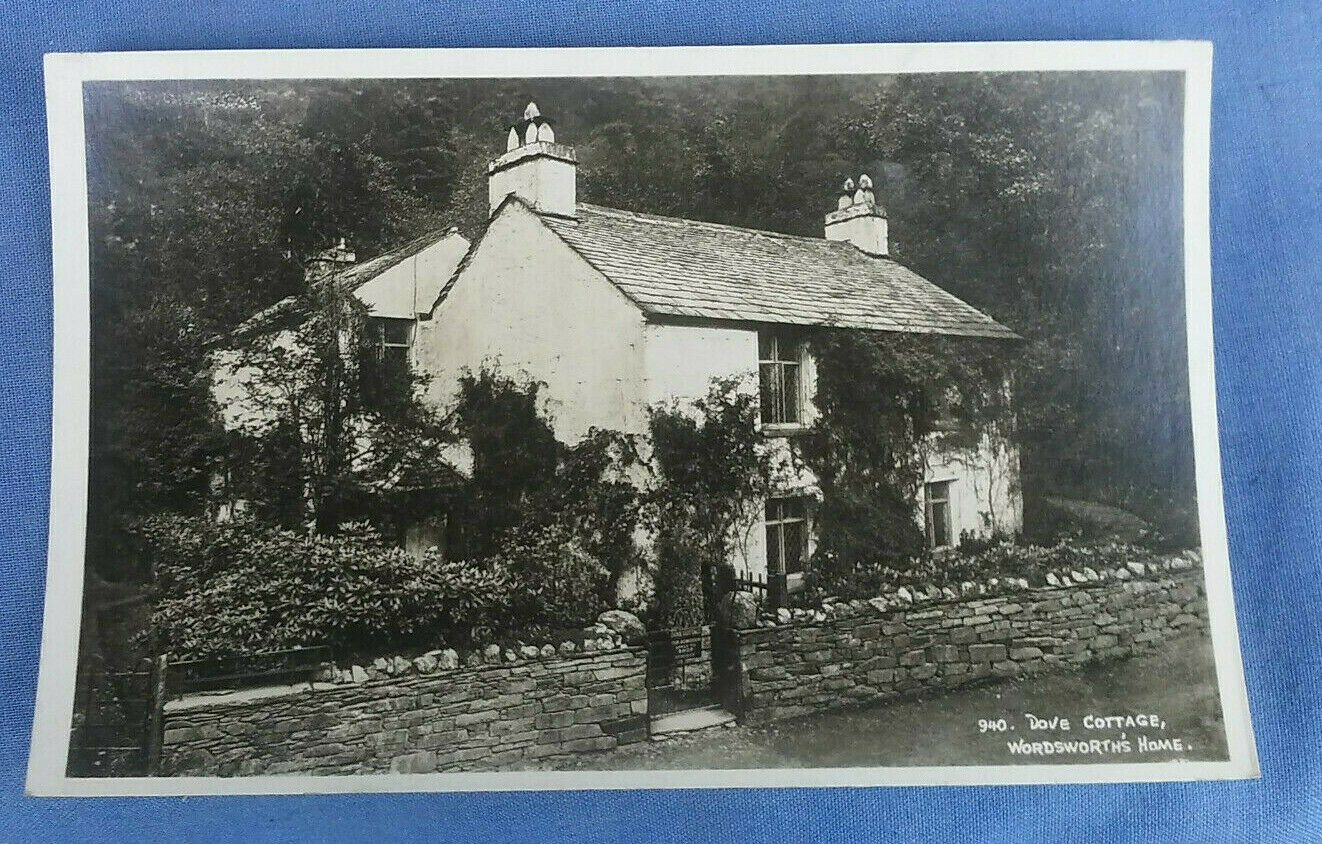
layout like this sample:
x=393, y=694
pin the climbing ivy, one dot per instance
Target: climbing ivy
x=886, y=402
x=712, y=473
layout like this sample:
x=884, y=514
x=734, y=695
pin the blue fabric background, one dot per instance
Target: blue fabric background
x=1267, y=250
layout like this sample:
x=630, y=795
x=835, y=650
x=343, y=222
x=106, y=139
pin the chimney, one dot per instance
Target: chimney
x=327, y=263
x=535, y=167
x=858, y=219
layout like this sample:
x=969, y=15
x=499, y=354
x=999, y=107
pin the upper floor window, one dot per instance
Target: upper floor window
x=386, y=368
x=780, y=376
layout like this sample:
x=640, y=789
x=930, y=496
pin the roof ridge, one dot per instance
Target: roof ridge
x=688, y=221
x=392, y=257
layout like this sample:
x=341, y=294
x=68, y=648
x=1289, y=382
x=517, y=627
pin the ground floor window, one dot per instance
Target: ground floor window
x=937, y=497
x=787, y=534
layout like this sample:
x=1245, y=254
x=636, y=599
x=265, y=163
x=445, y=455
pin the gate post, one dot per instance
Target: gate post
x=778, y=591
x=156, y=714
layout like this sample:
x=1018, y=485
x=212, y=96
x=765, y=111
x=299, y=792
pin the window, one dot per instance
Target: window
x=937, y=496
x=778, y=371
x=386, y=379
x=393, y=337
x=787, y=535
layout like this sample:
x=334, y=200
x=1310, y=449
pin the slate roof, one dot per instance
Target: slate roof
x=356, y=275
x=686, y=268
x=349, y=280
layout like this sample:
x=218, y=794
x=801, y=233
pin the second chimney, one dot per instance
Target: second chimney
x=328, y=262
x=858, y=219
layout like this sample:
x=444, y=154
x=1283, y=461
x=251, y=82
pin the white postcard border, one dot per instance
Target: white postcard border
x=65, y=75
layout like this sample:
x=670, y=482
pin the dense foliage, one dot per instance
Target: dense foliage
x=712, y=474
x=306, y=445
x=524, y=481
x=555, y=584
x=1050, y=201
x=886, y=401
x=243, y=588
x=240, y=587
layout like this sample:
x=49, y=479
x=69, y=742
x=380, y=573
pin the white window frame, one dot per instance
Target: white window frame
x=786, y=351
x=930, y=501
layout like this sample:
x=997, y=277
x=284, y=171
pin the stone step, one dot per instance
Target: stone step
x=689, y=720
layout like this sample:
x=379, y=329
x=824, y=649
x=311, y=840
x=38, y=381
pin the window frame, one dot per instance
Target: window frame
x=777, y=567
x=930, y=504
x=786, y=351
x=390, y=369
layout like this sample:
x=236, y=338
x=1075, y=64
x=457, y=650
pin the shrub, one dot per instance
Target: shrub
x=678, y=581
x=711, y=473
x=554, y=584
x=242, y=588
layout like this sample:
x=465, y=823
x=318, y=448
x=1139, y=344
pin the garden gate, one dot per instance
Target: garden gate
x=693, y=668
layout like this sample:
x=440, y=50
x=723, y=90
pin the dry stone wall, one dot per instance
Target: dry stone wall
x=863, y=651
x=465, y=718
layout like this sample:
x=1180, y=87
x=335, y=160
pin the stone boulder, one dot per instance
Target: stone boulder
x=446, y=660
x=626, y=624
x=737, y=610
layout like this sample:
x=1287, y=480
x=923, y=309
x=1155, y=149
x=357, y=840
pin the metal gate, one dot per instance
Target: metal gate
x=115, y=720
x=679, y=670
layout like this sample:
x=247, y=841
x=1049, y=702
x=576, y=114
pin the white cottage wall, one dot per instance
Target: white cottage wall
x=529, y=304
x=411, y=286
x=984, y=488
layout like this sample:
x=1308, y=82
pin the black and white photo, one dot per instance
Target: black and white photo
x=628, y=418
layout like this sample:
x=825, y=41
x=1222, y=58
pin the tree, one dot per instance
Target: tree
x=311, y=439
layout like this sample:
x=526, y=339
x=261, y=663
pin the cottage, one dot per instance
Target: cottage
x=616, y=311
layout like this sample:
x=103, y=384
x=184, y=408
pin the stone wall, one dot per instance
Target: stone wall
x=469, y=718
x=864, y=651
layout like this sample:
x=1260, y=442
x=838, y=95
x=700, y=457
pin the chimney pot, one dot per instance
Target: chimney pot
x=535, y=167
x=328, y=262
x=858, y=219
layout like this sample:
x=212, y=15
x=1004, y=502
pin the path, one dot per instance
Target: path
x=1176, y=684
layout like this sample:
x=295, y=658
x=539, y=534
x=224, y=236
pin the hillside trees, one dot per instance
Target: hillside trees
x=1050, y=201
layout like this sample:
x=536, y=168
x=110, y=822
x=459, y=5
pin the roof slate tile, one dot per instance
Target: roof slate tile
x=677, y=267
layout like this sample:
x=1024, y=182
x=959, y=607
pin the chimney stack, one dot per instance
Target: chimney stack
x=534, y=167
x=858, y=219
x=328, y=262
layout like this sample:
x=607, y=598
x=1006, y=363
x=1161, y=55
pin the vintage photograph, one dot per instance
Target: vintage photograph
x=557, y=424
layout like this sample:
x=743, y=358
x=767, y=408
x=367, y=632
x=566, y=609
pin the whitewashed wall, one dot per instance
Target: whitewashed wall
x=529, y=304
x=985, y=494
x=411, y=286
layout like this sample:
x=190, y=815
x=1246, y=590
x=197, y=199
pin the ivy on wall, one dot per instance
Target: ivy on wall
x=886, y=403
x=712, y=475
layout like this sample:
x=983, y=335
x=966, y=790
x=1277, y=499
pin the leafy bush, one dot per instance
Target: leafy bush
x=884, y=401
x=554, y=583
x=677, y=585
x=712, y=474
x=524, y=481
x=515, y=454
x=243, y=588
